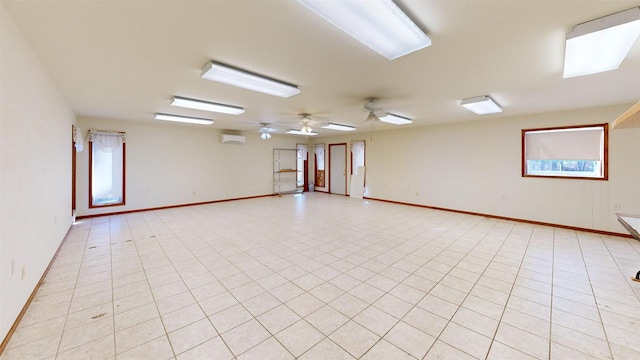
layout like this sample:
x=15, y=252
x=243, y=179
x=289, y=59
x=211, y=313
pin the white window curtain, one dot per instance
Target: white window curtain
x=319, y=149
x=107, y=166
x=357, y=150
x=303, y=149
x=78, y=142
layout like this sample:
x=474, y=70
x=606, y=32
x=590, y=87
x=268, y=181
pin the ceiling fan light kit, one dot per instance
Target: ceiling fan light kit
x=183, y=119
x=247, y=80
x=481, y=105
x=265, y=136
x=379, y=24
x=601, y=44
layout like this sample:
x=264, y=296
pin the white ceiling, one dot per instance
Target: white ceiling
x=126, y=59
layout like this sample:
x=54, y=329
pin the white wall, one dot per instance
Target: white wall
x=35, y=185
x=174, y=164
x=476, y=166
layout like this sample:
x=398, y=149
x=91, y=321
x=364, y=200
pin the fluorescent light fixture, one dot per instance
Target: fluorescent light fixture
x=339, y=127
x=481, y=105
x=246, y=80
x=601, y=44
x=395, y=119
x=300, y=132
x=206, y=105
x=265, y=136
x=184, y=119
x=378, y=24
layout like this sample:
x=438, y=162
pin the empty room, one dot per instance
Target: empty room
x=319, y=179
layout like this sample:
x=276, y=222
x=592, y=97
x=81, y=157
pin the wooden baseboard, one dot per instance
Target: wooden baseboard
x=601, y=232
x=80, y=217
x=13, y=328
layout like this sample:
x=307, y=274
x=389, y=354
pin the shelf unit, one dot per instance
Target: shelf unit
x=285, y=171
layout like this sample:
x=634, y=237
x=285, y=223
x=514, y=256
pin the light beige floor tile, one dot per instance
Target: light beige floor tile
x=354, y=338
x=447, y=293
x=158, y=348
x=527, y=323
x=304, y=304
x=86, y=333
x=326, y=349
x=245, y=336
x=326, y=319
x=90, y=315
x=94, y=350
x=136, y=316
x=407, y=293
x=466, y=340
x=500, y=351
x=426, y=321
x=277, y=319
x=443, y=351
x=476, y=322
x=577, y=323
x=376, y=320
x=326, y=292
x=287, y=291
x=299, y=337
x=410, y=339
x=366, y=293
x=182, y=317
x=384, y=350
x=218, y=303
x=393, y=305
x=348, y=305
x=191, y=336
x=260, y=304
x=37, y=349
x=132, y=302
x=212, y=349
x=438, y=306
x=559, y=352
x=623, y=353
x=623, y=338
x=523, y=341
x=175, y=302
x=228, y=319
x=247, y=291
x=139, y=334
x=529, y=307
x=270, y=349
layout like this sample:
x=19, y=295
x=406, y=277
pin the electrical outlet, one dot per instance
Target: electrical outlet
x=13, y=266
x=616, y=207
x=24, y=271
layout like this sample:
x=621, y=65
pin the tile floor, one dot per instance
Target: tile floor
x=329, y=277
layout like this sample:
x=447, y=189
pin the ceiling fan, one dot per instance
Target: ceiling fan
x=372, y=107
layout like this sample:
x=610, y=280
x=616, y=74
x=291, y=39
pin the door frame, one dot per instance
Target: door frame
x=328, y=178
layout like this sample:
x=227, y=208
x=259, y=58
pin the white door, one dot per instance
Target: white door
x=338, y=169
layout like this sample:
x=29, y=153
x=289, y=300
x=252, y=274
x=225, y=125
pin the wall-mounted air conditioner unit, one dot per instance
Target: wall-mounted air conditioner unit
x=232, y=139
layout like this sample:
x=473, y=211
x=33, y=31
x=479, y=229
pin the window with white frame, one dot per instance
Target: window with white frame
x=106, y=168
x=578, y=152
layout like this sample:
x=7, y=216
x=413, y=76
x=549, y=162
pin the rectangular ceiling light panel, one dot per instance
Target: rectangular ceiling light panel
x=601, y=45
x=300, y=132
x=395, y=119
x=378, y=24
x=246, y=80
x=339, y=127
x=206, y=105
x=481, y=105
x=184, y=119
